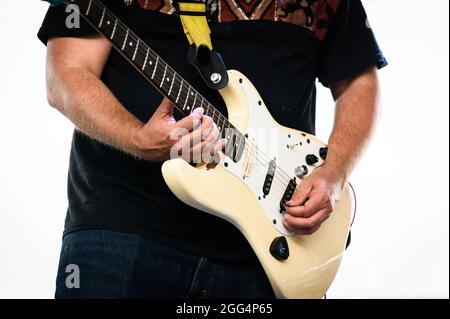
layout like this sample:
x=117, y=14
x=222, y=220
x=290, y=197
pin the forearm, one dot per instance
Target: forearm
x=356, y=113
x=355, y=118
x=83, y=98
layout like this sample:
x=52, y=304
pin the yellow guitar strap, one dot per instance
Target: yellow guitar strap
x=201, y=54
x=193, y=18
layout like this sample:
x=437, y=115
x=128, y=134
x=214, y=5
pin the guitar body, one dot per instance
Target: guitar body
x=263, y=164
x=234, y=191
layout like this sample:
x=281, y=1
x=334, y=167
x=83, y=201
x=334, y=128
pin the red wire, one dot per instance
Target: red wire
x=354, y=210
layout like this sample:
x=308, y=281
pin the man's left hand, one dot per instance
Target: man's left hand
x=313, y=201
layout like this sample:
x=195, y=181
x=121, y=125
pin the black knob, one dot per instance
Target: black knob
x=311, y=159
x=279, y=248
x=323, y=153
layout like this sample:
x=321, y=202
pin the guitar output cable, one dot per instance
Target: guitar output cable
x=354, y=209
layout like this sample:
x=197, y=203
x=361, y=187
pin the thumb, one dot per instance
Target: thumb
x=300, y=195
x=165, y=109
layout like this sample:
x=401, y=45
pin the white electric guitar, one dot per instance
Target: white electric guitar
x=254, y=178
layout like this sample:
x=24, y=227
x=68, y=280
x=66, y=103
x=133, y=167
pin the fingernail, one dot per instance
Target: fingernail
x=197, y=113
x=198, y=110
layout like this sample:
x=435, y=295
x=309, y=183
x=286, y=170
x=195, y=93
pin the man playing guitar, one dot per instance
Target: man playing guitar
x=127, y=232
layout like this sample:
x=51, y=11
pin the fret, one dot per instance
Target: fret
x=125, y=41
x=223, y=122
x=146, y=59
x=190, y=106
x=136, y=50
x=101, y=19
x=187, y=97
x=171, y=85
x=130, y=45
x=179, y=91
x=213, y=111
x=195, y=99
x=208, y=111
x=217, y=118
x=165, y=81
x=99, y=14
x=114, y=29
x=156, y=66
x=170, y=78
x=220, y=124
x=89, y=7
x=201, y=101
x=163, y=77
x=224, y=126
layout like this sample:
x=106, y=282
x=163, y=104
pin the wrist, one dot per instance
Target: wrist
x=135, y=140
x=335, y=173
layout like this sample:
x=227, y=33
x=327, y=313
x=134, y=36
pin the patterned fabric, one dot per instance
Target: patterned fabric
x=312, y=14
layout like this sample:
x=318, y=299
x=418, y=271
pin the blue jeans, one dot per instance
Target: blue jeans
x=106, y=264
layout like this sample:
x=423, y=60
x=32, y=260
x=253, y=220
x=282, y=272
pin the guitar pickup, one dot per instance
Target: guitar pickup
x=290, y=189
x=236, y=144
x=269, y=177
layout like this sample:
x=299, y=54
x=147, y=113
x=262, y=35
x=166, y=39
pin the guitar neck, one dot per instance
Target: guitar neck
x=156, y=71
x=146, y=61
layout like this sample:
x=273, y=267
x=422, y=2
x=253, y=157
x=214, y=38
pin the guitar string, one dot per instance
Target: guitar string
x=182, y=87
x=186, y=91
x=282, y=179
x=280, y=186
x=277, y=177
x=248, y=144
x=122, y=27
x=142, y=50
x=210, y=110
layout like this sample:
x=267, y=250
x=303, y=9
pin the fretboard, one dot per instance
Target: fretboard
x=156, y=70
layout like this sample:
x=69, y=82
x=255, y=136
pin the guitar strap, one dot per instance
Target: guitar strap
x=193, y=18
x=201, y=53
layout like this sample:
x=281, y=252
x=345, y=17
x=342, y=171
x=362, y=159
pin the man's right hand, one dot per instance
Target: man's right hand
x=195, y=137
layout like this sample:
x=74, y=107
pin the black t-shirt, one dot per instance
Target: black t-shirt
x=283, y=50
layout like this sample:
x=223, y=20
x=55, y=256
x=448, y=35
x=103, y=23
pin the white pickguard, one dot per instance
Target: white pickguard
x=289, y=152
x=231, y=191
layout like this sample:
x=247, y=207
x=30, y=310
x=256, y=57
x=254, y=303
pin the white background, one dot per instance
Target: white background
x=400, y=245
